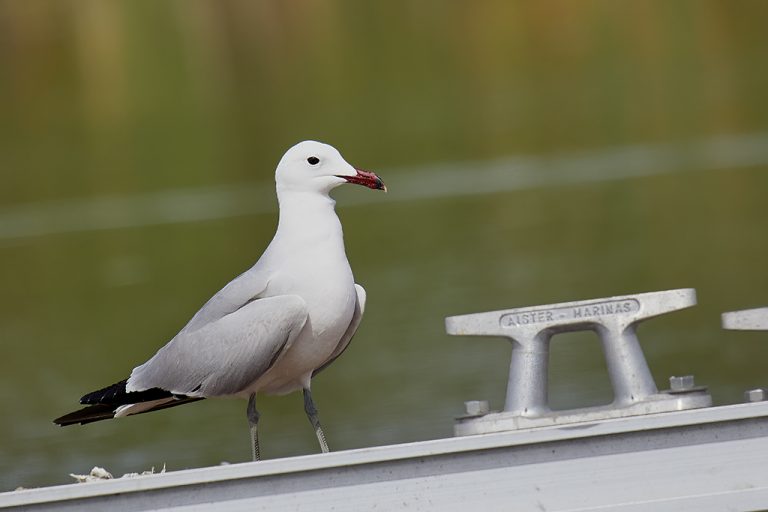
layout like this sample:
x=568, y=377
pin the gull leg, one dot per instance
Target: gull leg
x=311, y=410
x=253, y=423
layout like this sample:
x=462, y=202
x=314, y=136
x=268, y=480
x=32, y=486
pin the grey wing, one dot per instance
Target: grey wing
x=350, y=332
x=225, y=356
x=236, y=294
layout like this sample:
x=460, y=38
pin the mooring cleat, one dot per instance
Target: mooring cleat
x=746, y=320
x=614, y=320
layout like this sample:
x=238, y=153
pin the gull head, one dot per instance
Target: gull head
x=314, y=166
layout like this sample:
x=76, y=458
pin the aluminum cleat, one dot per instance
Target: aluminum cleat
x=615, y=321
x=746, y=320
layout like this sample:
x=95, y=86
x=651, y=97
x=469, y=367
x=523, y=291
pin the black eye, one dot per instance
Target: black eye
x=313, y=160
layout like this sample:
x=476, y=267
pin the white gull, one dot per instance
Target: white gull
x=274, y=327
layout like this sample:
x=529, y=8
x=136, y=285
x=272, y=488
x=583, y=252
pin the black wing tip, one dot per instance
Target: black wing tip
x=86, y=415
x=106, y=395
x=117, y=394
x=102, y=404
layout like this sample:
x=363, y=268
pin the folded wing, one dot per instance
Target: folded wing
x=223, y=357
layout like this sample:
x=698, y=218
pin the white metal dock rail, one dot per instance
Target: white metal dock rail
x=700, y=460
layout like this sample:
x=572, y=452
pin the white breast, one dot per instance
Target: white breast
x=327, y=287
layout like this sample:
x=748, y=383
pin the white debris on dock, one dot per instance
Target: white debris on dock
x=98, y=474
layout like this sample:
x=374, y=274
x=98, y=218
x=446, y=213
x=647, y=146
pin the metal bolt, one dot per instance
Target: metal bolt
x=477, y=407
x=755, y=395
x=681, y=383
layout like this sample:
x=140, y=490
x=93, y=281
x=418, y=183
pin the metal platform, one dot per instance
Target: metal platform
x=650, y=450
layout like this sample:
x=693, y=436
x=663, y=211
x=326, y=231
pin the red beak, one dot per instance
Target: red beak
x=366, y=179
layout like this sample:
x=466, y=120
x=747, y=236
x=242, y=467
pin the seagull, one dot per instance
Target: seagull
x=272, y=328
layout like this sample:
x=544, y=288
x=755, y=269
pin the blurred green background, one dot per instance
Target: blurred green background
x=535, y=152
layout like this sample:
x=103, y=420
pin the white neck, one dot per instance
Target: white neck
x=308, y=217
